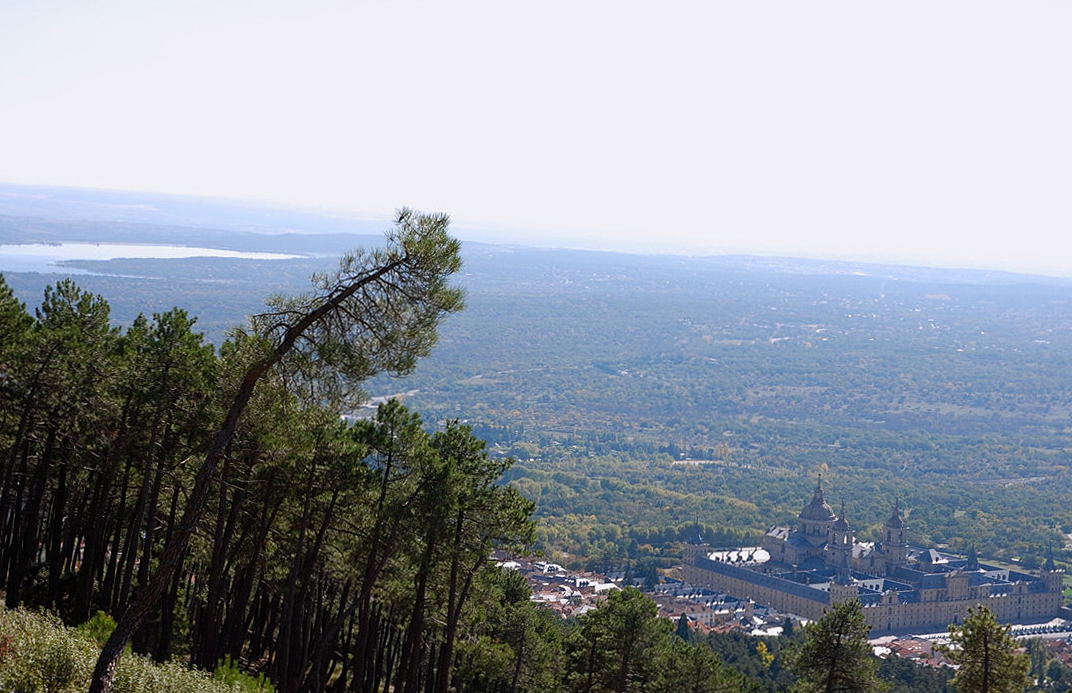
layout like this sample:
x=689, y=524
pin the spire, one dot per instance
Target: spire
x=842, y=523
x=973, y=559
x=896, y=521
x=818, y=495
x=1049, y=564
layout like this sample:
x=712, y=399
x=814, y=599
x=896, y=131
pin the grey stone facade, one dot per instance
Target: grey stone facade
x=805, y=569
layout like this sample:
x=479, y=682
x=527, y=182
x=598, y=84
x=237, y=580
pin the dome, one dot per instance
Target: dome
x=818, y=509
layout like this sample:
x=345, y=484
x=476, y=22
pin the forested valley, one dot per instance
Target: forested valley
x=311, y=553
x=677, y=391
x=630, y=405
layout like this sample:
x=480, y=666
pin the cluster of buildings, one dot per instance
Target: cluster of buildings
x=711, y=611
x=920, y=650
x=569, y=593
x=804, y=570
x=573, y=593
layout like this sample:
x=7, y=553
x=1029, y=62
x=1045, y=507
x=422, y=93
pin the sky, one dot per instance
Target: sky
x=927, y=131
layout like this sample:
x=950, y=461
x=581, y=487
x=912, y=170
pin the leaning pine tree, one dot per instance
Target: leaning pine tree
x=378, y=312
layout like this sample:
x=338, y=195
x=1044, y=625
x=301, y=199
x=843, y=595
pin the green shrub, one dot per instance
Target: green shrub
x=60, y=665
x=38, y=654
x=228, y=672
x=99, y=628
x=141, y=675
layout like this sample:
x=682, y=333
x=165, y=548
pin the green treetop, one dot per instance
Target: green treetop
x=835, y=656
x=988, y=655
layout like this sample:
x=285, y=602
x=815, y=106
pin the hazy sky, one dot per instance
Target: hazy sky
x=927, y=131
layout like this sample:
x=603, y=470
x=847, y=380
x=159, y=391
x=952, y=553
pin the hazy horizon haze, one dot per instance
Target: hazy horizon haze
x=921, y=133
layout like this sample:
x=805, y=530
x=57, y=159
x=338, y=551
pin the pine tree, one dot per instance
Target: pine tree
x=378, y=312
x=618, y=647
x=987, y=654
x=688, y=668
x=684, y=631
x=835, y=656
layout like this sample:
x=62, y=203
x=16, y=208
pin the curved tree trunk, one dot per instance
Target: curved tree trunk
x=148, y=597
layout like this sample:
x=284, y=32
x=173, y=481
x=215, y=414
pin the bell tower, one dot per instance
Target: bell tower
x=841, y=539
x=894, y=538
x=1052, y=576
x=973, y=559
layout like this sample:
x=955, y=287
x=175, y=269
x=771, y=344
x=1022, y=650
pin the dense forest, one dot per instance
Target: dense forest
x=320, y=553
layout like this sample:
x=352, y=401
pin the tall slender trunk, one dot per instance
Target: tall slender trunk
x=411, y=652
x=27, y=548
x=17, y=519
x=147, y=597
x=97, y=518
x=519, y=660
x=54, y=555
x=368, y=580
x=211, y=622
x=446, y=652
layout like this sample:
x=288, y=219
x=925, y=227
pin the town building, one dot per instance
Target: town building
x=804, y=570
x=920, y=651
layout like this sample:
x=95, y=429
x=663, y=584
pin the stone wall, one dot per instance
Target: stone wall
x=742, y=583
x=888, y=615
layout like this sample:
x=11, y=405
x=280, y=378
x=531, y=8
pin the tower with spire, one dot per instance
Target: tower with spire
x=973, y=559
x=843, y=589
x=1052, y=576
x=895, y=539
x=841, y=539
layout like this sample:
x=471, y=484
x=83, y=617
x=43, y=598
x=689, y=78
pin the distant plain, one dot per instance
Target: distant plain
x=951, y=389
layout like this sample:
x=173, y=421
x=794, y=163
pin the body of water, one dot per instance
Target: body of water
x=41, y=257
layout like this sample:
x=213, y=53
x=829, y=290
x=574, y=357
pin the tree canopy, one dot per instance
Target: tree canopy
x=835, y=656
x=989, y=658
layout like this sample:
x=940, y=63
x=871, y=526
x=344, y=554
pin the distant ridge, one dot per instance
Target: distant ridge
x=85, y=204
x=49, y=214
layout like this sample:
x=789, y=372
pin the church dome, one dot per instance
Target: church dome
x=818, y=509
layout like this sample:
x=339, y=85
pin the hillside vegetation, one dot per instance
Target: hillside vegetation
x=39, y=653
x=949, y=389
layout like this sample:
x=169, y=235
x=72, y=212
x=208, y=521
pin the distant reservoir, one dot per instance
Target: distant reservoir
x=46, y=258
